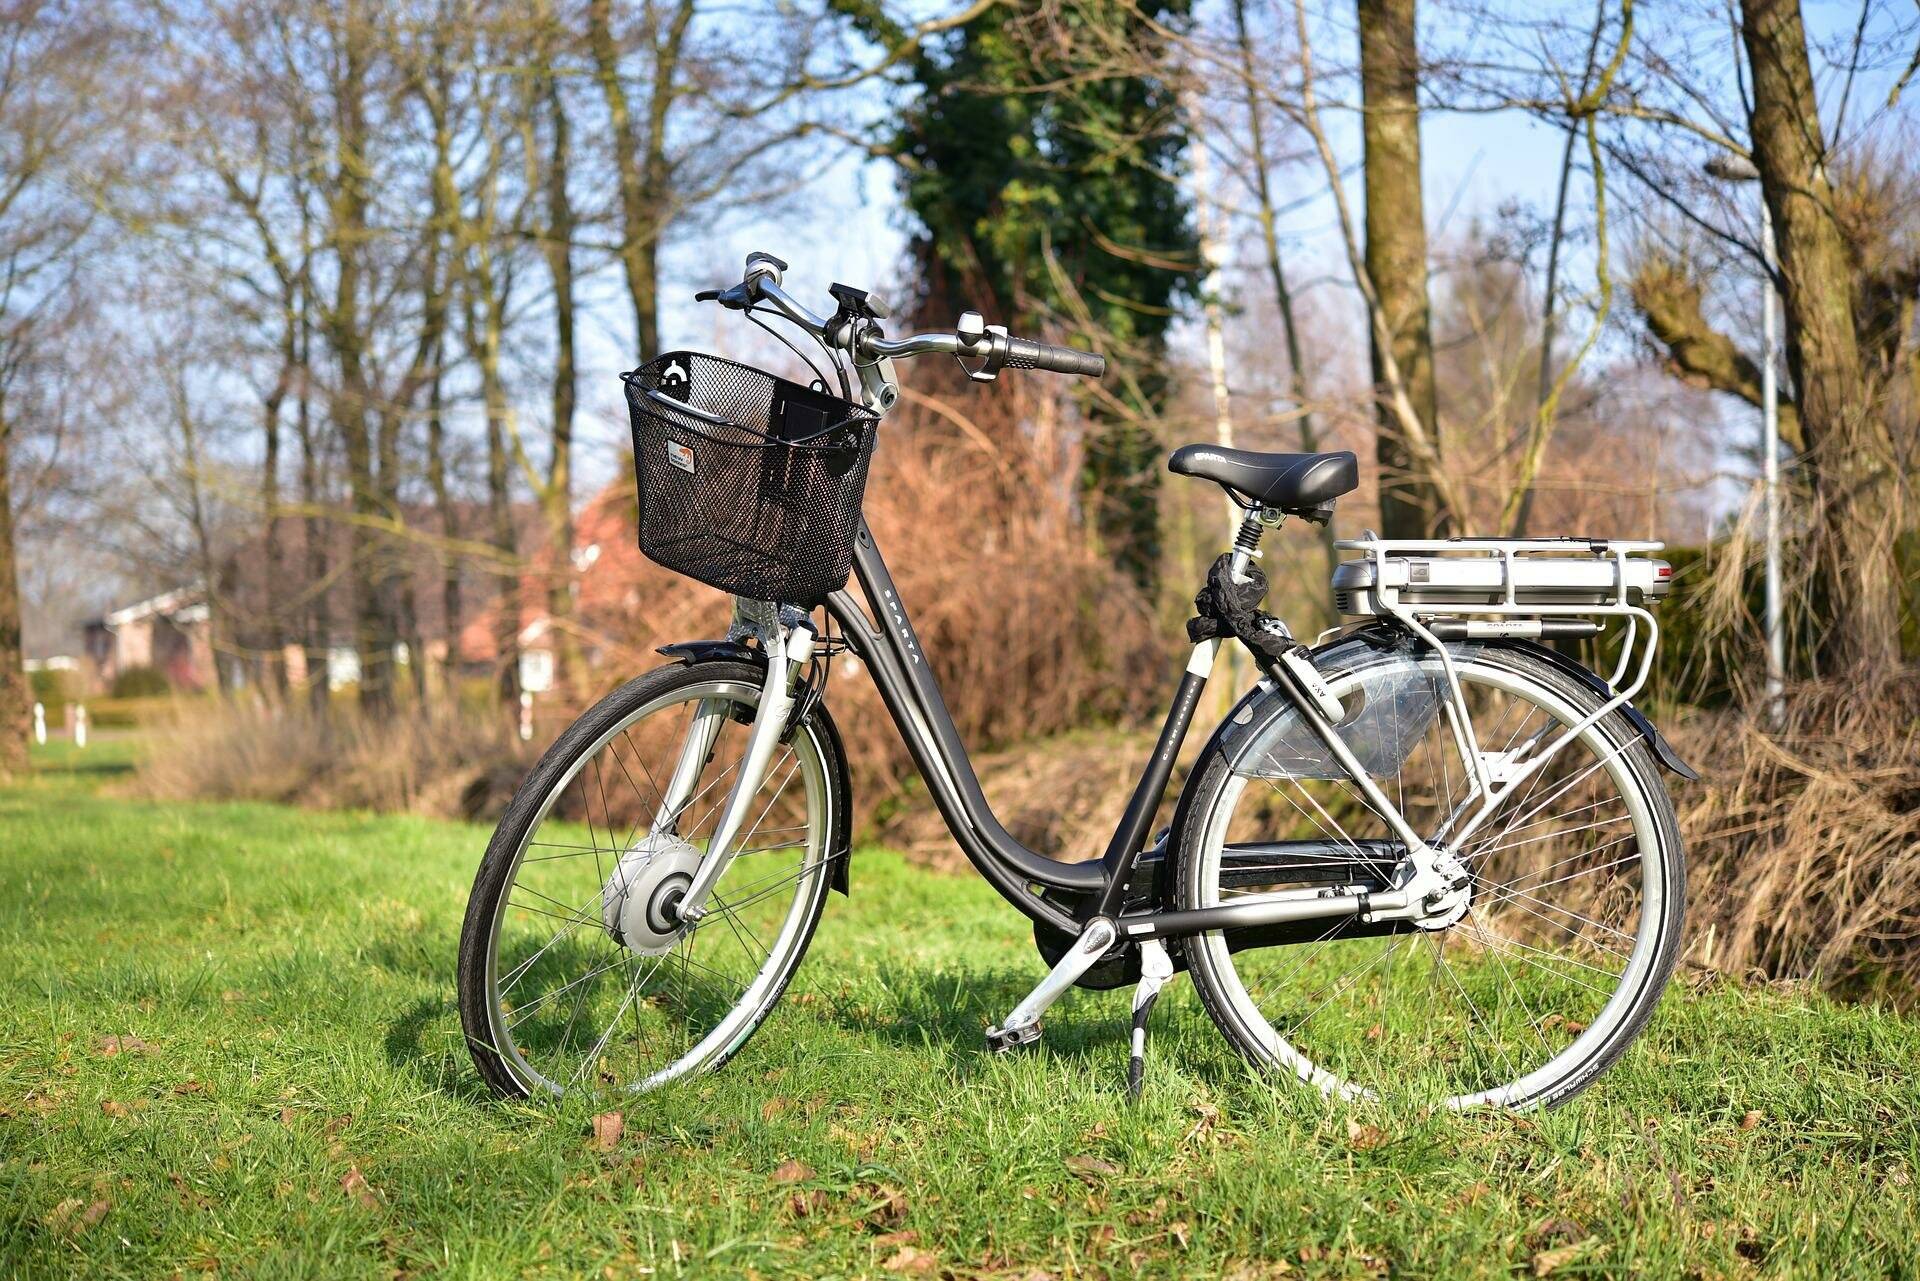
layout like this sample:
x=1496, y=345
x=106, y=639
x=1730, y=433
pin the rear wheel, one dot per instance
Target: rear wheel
x=575, y=972
x=1521, y=994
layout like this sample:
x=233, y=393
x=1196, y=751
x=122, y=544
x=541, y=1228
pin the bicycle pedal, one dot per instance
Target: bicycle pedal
x=1007, y=1040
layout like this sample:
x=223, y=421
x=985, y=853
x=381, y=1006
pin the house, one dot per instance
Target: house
x=168, y=633
x=623, y=605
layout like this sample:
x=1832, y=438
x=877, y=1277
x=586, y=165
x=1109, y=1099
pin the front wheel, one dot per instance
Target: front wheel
x=1518, y=995
x=575, y=970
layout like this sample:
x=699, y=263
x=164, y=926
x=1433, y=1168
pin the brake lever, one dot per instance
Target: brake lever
x=733, y=297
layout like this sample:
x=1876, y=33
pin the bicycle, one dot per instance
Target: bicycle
x=1426, y=856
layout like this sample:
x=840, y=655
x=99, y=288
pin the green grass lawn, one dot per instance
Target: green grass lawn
x=228, y=1046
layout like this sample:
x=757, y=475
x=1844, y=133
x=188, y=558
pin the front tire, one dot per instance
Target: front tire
x=1578, y=886
x=556, y=993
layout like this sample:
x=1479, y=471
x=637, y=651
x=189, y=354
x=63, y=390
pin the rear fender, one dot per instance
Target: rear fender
x=1662, y=749
x=1256, y=706
x=839, y=789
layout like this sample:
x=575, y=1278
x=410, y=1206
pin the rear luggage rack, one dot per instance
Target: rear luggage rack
x=1532, y=588
x=1497, y=575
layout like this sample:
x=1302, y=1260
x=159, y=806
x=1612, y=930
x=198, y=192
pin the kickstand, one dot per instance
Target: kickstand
x=1156, y=967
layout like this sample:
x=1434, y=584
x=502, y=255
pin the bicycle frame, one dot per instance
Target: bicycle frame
x=889, y=647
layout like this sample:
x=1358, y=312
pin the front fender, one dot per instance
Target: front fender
x=840, y=790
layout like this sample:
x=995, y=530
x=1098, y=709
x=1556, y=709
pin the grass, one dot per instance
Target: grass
x=227, y=1045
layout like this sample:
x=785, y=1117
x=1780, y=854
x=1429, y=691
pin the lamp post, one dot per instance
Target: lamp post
x=1739, y=169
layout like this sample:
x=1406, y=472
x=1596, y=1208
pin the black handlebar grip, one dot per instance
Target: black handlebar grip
x=1024, y=353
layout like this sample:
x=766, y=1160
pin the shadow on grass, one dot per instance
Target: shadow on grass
x=440, y=1062
x=950, y=1009
x=84, y=765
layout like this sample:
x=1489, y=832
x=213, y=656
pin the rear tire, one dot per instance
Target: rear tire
x=1458, y=1015
x=507, y=974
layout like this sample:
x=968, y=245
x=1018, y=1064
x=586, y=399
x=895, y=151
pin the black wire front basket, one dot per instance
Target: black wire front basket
x=748, y=482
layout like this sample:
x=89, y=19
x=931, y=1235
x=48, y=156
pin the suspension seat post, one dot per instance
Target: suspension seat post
x=1246, y=541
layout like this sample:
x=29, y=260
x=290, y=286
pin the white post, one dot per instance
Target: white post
x=1770, y=471
x=526, y=715
x=80, y=725
x=1212, y=254
x=40, y=724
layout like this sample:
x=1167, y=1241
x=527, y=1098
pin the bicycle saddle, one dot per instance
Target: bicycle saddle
x=1290, y=482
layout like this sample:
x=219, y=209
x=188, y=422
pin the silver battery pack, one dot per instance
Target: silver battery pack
x=1502, y=575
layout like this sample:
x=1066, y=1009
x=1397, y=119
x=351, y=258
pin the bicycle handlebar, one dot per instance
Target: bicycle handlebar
x=993, y=347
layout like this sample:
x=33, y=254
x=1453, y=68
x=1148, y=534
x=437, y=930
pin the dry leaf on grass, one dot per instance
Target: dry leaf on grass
x=354, y=1184
x=1091, y=1168
x=792, y=1171
x=111, y=1108
x=607, y=1129
x=112, y=1045
x=1750, y=1120
x=909, y=1259
x=1547, y=1262
x=1365, y=1138
x=888, y=1208
x=69, y=1216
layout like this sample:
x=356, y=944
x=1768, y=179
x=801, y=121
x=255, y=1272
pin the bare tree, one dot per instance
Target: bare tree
x=53, y=58
x=1397, y=258
x=1859, y=482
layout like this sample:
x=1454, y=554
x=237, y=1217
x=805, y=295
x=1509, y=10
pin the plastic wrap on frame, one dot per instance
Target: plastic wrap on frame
x=1387, y=715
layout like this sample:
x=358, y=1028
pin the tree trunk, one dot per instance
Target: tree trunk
x=641, y=164
x=1850, y=452
x=556, y=498
x=273, y=625
x=349, y=234
x=1396, y=257
x=219, y=642
x=449, y=529
x=493, y=394
x=16, y=696
x=314, y=530
x=1297, y=389
x=447, y=218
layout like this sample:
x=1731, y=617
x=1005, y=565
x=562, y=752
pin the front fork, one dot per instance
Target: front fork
x=789, y=647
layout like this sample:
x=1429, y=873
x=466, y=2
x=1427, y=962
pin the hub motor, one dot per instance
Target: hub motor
x=640, y=903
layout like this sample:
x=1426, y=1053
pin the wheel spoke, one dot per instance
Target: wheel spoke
x=586, y=1011
x=1554, y=916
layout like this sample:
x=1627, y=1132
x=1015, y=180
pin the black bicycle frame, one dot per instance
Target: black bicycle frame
x=888, y=645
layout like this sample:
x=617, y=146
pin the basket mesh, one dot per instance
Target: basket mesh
x=748, y=482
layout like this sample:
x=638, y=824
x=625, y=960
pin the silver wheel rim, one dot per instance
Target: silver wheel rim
x=1580, y=1046
x=508, y=1009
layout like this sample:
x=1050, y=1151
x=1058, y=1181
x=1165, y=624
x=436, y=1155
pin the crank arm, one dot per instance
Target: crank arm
x=1023, y=1025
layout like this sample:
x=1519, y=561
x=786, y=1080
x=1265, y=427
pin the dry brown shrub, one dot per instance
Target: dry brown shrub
x=1029, y=631
x=1060, y=796
x=1803, y=845
x=439, y=762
